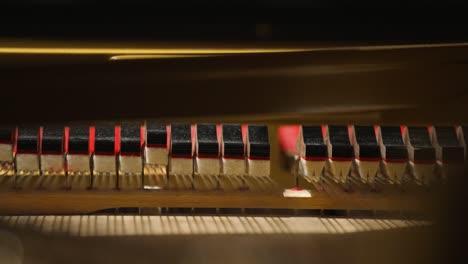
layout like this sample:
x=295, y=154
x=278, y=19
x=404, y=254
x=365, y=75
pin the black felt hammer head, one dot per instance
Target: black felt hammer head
x=419, y=137
x=207, y=140
x=314, y=144
x=392, y=139
x=130, y=139
x=258, y=141
x=52, y=140
x=104, y=139
x=156, y=135
x=339, y=139
x=181, y=140
x=233, y=143
x=78, y=139
x=7, y=135
x=367, y=141
x=421, y=142
x=28, y=139
x=447, y=138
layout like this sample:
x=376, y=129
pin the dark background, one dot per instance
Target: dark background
x=292, y=20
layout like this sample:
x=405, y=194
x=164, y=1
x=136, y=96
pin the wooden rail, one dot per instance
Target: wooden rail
x=75, y=202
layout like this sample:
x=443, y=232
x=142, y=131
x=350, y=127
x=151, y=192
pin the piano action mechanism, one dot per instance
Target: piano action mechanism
x=291, y=129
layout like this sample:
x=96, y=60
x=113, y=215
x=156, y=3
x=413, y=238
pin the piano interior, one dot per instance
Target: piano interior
x=235, y=151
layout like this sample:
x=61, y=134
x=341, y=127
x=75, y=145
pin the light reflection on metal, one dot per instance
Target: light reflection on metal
x=175, y=51
x=170, y=56
x=138, y=51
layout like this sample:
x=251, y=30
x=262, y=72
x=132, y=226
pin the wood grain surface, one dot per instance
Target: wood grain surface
x=43, y=202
